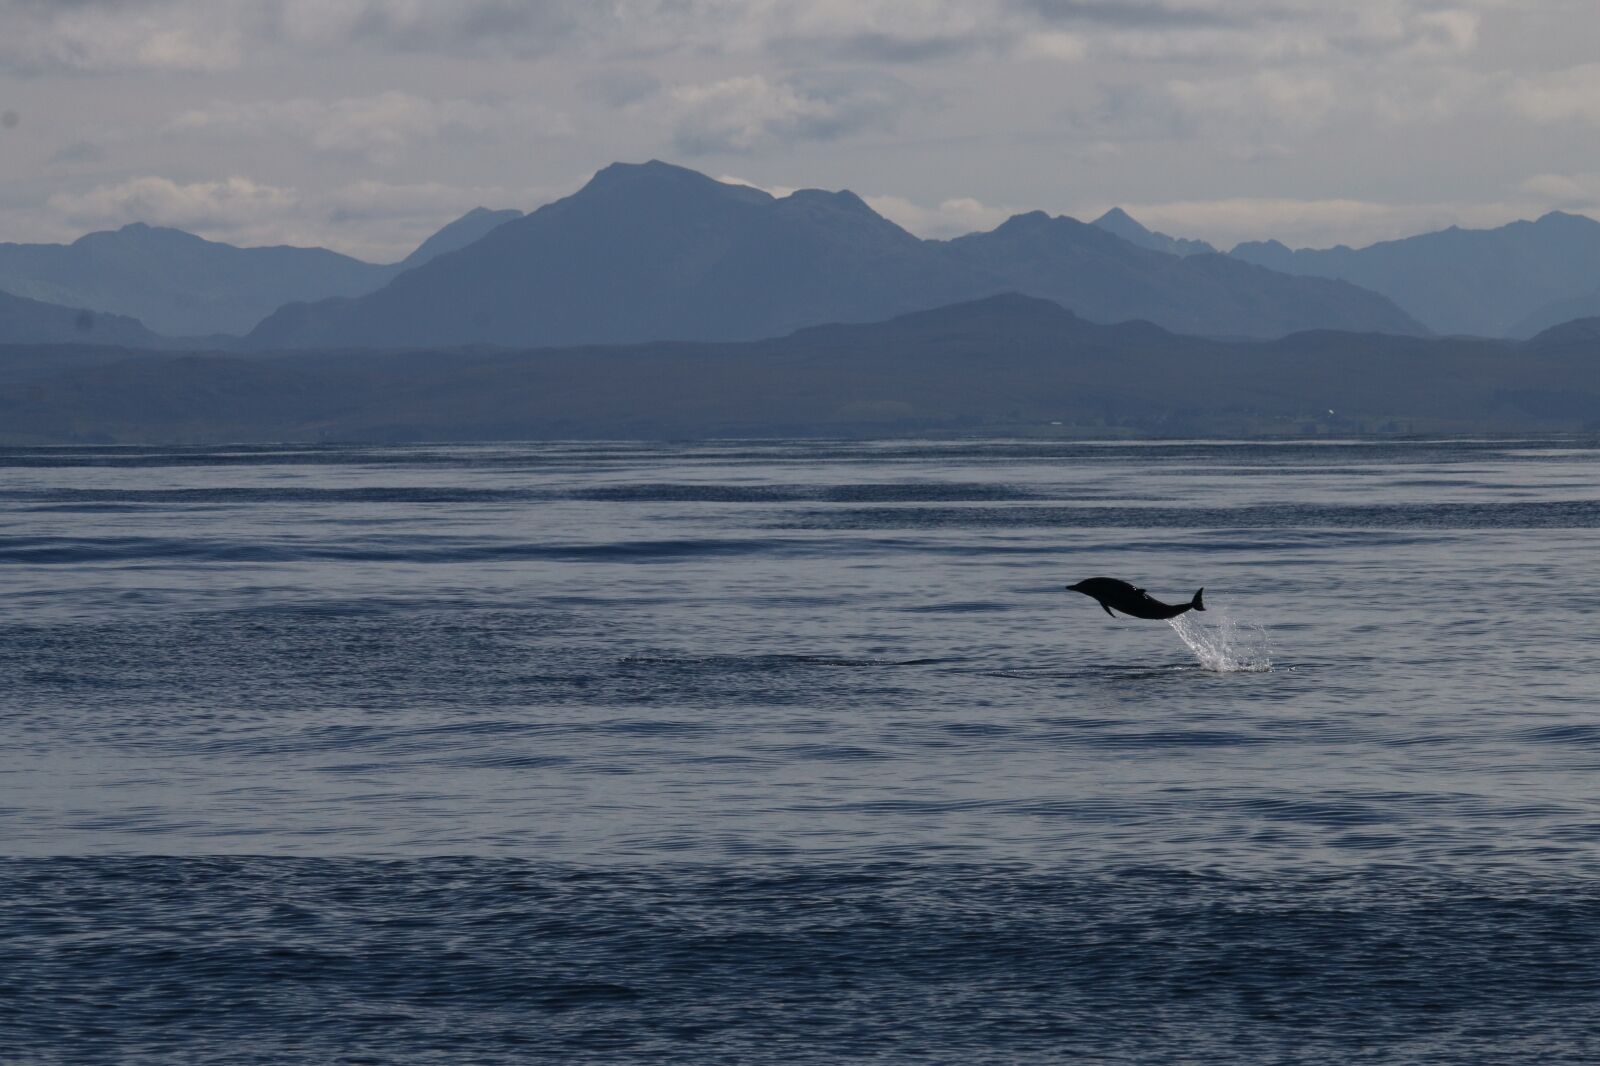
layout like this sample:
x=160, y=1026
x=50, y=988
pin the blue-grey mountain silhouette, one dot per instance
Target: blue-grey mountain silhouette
x=1131, y=601
x=1010, y=365
x=1511, y=281
x=657, y=252
x=1558, y=312
x=25, y=321
x=180, y=285
x=1104, y=278
x=1129, y=229
x=463, y=231
x=176, y=283
x=1578, y=339
x=644, y=253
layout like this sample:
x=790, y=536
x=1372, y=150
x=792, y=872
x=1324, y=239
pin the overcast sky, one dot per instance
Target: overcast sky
x=363, y=125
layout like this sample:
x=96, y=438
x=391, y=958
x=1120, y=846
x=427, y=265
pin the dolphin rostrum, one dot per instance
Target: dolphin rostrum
x=1132, y=601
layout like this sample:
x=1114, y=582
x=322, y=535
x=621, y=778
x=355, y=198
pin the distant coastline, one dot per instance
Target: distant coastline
x=1008, y=365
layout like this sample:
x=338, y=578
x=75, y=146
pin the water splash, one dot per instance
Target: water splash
x=1226, y=647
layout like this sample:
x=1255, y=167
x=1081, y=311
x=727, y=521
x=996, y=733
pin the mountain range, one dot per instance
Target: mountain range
x=458, y=234
x=657, y=252
x=1129, y=229
x=654, y=252
x=1512, y=281
x=1007, y=364
x=37, y=322
x=180, y=285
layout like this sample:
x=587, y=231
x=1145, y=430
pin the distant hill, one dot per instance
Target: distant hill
x=458, y=234
x=177, y=283
x=1005, y=364
x=1124, y=225
x=25, y=321
x=643, y=253
x=1579, y=338
x=1507, y=282
x=181, y=285
x=1556, y=312
x=657, y=252
x=1103, y=277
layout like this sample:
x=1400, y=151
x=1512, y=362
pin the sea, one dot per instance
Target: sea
x=800, y=752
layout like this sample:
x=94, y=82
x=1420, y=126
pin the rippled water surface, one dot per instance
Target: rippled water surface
x=800, y=752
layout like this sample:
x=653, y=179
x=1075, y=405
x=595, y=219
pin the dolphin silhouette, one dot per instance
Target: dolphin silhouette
x=1132, y=601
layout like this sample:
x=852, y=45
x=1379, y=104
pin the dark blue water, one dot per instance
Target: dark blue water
x=800, y=753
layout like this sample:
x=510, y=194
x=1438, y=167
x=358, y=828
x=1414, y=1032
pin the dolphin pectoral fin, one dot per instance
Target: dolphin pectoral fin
x=1107, y=610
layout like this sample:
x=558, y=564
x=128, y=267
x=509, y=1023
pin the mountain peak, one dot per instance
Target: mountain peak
x=142, y=234
x=1564, y=219
x=666, y=177
x=844, y=198
x=1244, y=248
x=620, y=169
x=1508, y=281
x=842, y=204
x=470, y=227
x=1118, y=222
x=1122, y=224
x=1026, y=221
x=651, y=251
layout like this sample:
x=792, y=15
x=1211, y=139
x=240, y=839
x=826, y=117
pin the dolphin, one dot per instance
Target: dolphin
x=1132, y=601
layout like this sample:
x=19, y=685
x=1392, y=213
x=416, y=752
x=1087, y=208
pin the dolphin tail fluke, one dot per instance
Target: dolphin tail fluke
x=1197, y=603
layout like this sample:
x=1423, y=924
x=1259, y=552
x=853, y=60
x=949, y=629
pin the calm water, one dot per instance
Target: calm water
x=800, y=753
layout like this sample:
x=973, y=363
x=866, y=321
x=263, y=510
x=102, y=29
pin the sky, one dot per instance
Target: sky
x=364, y=125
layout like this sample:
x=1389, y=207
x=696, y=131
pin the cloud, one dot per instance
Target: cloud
x=423, y=26
x=1018, y=101
x=379, y=127
x=1407, y=98
x=1571, y=95
x=1141, y=13
x=105, y=37
x=1271, y=98
x=218, y=35
x=619, y=88
x=205, y=205
x=739, y=114
x=1450, y=32
x=778, y=191
x=78, y=152
x=1238, y=116
x=1570, y=191
x=873, y=31
x=1260, y=31
x=950, y=218
x=1054, y=44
